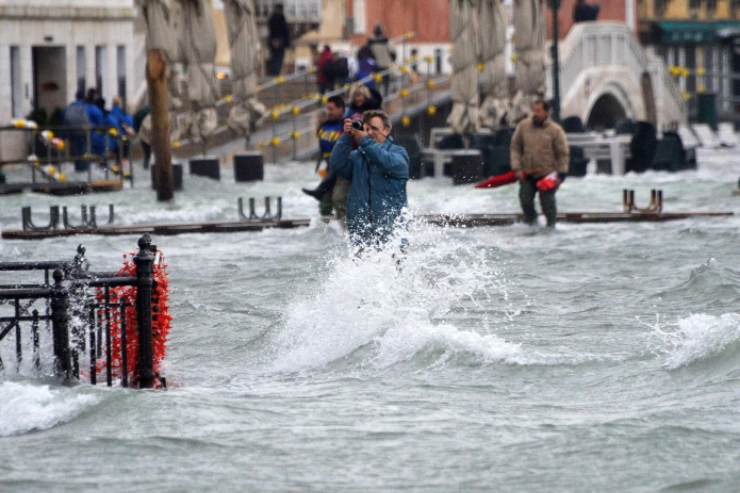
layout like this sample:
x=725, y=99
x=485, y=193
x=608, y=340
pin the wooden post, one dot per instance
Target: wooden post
x=156, y=77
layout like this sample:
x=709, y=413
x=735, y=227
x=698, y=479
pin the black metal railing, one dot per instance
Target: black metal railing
x=79, y=309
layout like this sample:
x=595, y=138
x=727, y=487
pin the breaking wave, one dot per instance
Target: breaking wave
x=25, y=407
x=696, y=338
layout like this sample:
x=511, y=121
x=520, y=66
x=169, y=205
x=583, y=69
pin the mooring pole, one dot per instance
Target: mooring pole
x=60, y=326
x=555, y=5
x=156, y=77
x=144, y=283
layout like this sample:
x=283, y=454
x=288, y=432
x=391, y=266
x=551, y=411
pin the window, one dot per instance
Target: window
x=100, y=68
x=16, y=91
x=711, y=8
x=660, y=7
x=121, y=72
x=358, y=17
x=81, y=68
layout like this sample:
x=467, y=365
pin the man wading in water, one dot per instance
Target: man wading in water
x=540, y=157
x=379, y=170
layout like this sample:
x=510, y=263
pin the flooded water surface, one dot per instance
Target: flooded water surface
x=599, y=357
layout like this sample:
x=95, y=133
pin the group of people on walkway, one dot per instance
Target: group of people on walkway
x=89, y=123
x=334, y=69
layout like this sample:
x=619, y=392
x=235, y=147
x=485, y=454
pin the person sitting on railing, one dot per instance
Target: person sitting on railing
x=76, y=118
x=124, y=123
x=97, y=121
x=110, y=143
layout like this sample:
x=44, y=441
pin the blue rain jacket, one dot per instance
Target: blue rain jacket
x=377, y=196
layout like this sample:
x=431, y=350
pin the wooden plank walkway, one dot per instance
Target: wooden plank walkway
x=159, y=229
x=449, y=220
x=477, y=220
x=66, y=188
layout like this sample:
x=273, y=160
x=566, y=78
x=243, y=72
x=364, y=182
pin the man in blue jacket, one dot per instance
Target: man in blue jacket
x=378, y=170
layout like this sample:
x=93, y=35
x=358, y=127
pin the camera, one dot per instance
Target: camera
x=357, y=125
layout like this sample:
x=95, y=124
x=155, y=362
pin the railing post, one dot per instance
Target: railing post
x=144, y=267
x=60, y=326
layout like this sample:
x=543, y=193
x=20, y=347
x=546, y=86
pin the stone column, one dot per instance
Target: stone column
x=6, y=95
x=26, y=79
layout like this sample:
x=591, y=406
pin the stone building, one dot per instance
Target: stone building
x=702, y=37
x=51, y=48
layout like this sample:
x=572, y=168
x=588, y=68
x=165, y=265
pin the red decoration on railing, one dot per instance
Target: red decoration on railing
x=161, y=319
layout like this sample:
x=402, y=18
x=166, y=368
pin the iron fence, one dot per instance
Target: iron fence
x=78, y=311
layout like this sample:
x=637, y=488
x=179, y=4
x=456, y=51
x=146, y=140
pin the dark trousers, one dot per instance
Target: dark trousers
x=527, y=191
x=147, y=153
x=275, y=63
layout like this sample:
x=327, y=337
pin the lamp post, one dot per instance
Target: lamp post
x=555, y=6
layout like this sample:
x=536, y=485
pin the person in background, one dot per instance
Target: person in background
x=378, y=171
x=328, y=133
x=125, y=125
x=584, y=12
x=143, y=136
x=361, y=99
x=96, y=118
x=278, y=40
x=340, y=69
x=382, y=55
x=76, y=118
x=540, y=157
x=325, y=70
x=366, y=66
x=110, y=122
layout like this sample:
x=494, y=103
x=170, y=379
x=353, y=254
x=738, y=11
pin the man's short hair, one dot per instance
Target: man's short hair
x=370, y=114
x=337, y=100
x=545, y=104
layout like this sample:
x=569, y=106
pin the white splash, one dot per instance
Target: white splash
x=399, y=309
x=696, y=338
x=25, y=407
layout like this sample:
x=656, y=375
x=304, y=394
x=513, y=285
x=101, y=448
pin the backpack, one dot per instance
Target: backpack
x=76, y=115
x=340, y=68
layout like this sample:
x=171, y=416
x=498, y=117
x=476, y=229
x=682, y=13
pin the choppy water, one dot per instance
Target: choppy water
x=595, y=358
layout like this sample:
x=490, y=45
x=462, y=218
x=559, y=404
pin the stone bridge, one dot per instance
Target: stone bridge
x=607, y=76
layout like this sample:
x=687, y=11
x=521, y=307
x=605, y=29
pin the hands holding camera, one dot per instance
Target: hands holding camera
x=355, y=129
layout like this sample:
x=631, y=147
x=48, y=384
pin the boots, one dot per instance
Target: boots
x=325, y=186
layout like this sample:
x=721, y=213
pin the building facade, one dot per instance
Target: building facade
x=701, y=40
x=51, y=48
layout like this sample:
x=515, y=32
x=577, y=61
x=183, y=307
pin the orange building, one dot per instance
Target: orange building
x=427, y=18
x=609, y=10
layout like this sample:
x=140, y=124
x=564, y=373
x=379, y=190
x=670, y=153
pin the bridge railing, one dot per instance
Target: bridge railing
x=406, y=90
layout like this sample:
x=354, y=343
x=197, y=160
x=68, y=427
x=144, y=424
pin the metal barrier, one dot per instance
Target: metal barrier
x=78, y=310
x=88, y=218
x=266, y=216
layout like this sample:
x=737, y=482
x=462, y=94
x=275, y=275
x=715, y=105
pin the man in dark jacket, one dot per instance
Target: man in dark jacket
x=378, y=170
x=278, y=40
x=583, y=12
